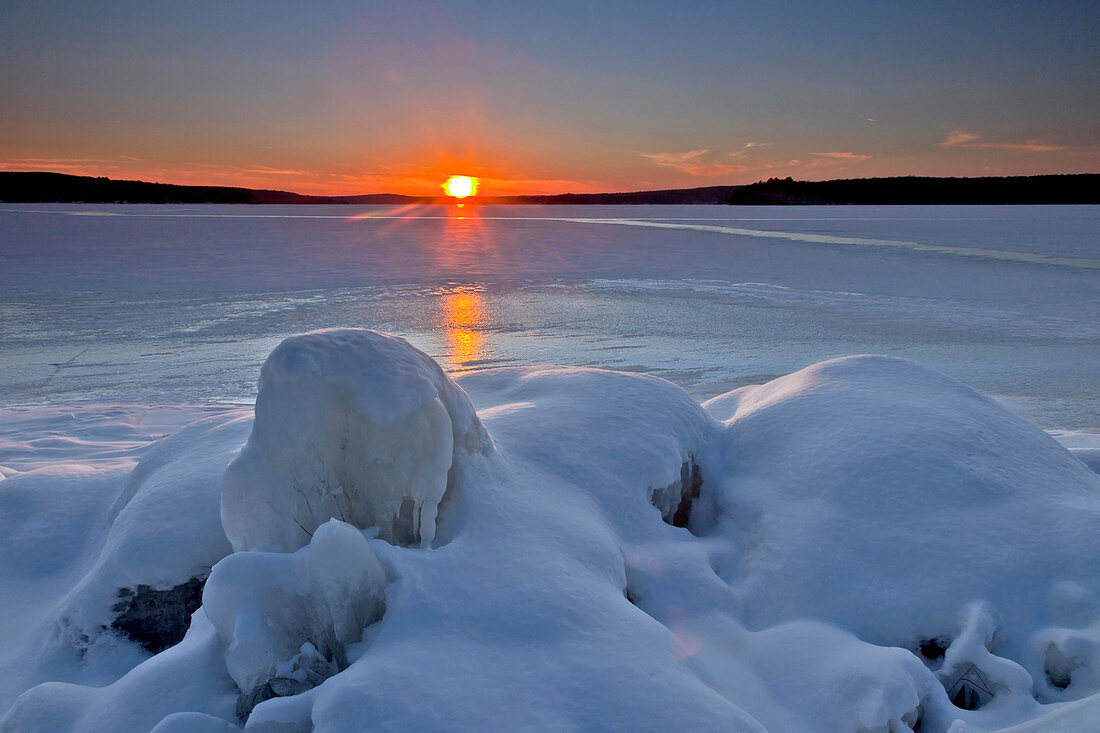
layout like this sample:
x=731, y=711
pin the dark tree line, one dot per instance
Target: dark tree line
x=1057, y=189
x=62, y=188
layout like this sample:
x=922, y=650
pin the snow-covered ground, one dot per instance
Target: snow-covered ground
x=862, y=544
x=865, y=544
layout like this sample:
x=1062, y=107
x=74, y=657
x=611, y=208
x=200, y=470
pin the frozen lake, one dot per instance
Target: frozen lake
x=170, y=305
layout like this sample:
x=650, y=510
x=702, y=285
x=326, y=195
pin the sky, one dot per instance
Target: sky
x=546, y=97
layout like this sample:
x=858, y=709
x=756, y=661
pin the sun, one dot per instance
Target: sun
x=460, y=187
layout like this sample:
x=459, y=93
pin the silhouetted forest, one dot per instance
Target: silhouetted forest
x=59, y=187
x=1059, y=189
x=63, y=188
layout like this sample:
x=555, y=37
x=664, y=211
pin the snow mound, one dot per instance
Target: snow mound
x=190, y=677
x=907, y=508
x=350, y=424
x=165, y=534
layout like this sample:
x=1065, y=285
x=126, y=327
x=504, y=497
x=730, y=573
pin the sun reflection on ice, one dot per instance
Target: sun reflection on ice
x=463, y=317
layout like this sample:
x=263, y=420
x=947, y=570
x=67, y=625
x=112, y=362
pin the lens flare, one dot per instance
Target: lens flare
x=460, y=187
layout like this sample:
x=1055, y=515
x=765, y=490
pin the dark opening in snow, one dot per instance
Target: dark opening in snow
x=690, y=484
x=969, y=690
x=406, y=529
x=677, y=500
x=934, y=649
x=157, y=619
x=1059, y=667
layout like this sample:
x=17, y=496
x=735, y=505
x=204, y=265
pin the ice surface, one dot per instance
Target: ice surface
x=869, y=545
x=81, y=320
x=351, y=424
x=1084, y=445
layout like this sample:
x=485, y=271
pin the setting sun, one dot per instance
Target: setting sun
x=460, y=187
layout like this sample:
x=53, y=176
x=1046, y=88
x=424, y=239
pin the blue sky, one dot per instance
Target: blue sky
x=347, y=97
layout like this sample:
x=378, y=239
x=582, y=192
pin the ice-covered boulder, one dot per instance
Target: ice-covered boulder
x=352, y=424
x=286, y=618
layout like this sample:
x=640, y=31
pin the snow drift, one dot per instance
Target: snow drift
x=870, y=482
x=863, y=545
x=105, y=544
x=164, y=535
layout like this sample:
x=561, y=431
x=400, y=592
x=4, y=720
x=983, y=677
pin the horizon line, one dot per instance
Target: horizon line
x=476, y=197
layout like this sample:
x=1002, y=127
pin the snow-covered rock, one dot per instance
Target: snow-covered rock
x=189, y=677
x=165, y=534
x=101, y=503
x=899, y=504
x=871, y=482
x=287, y=618
x=351, y=424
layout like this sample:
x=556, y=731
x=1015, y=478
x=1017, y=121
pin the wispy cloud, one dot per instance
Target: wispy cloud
x=697, y=162
x=56, y=164
x=827, y=160
x=704, y=163
x=265, y=170
x=970, y=140
x=958, y=138
x=845, y=156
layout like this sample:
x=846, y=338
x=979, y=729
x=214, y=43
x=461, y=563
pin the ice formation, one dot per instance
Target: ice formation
x=351, y=424
x=865, y=545
x=286, y=619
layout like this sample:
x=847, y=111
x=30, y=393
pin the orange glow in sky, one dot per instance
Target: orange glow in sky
x=395, y=97
x=460, y=187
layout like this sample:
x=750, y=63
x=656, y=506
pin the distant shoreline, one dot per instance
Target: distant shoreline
x=1081, y=188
